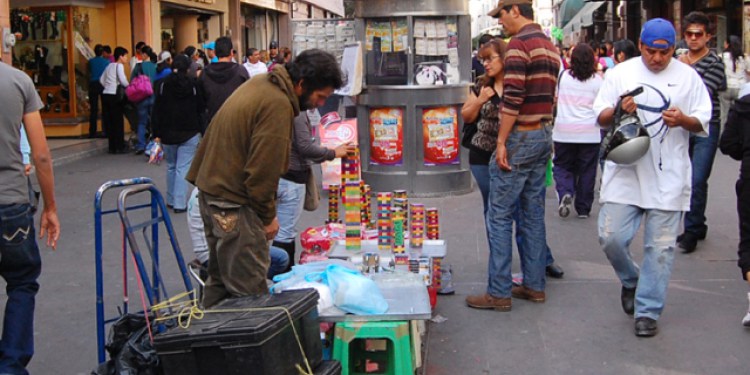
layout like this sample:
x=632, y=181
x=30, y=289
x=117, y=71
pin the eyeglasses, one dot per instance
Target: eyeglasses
x=489, y=59
x=694, y=34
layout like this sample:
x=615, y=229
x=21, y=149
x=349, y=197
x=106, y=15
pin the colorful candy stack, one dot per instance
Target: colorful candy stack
x=416, y=234
x=366, y=203
x=352, y=203
x=350, y=168
x=399, y=245
x=385, y=227
x=403, y=204
x=437, y=271
x=433, y=225
x=334, y=193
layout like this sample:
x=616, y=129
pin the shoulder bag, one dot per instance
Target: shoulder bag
x=470, y=128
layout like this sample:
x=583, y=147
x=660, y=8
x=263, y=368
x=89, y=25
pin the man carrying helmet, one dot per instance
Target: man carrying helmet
x=656, y=187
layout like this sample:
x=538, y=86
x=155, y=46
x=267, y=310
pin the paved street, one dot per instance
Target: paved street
x=581, y=329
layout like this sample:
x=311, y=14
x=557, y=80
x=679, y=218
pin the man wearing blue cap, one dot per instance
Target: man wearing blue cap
x=654, y=189
x=210, y=48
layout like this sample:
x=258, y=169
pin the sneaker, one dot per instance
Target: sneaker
x=522, y=292
x=517, y=279
x=583, y=216
x=486, y=301
x=565, y=204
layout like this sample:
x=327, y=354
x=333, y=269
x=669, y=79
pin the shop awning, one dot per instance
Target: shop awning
x=568, y=10
x=584, y=18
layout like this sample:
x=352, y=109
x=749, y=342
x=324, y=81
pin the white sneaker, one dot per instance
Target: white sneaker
x=746, y=319
x=565, y=203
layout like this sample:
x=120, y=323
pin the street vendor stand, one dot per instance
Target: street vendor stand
x=417, y=74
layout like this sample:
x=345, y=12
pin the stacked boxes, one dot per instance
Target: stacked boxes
x=433, y=225
x=399, y=244
x=385, y=226
x=416, y=233
x=334, y=193
x=352, y=203
x=366, y=215
x=403, y=203
x=350, y=168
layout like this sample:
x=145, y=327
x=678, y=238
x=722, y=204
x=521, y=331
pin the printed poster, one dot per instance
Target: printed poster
x=387, y=136
x=440, y=136
x=333, y=132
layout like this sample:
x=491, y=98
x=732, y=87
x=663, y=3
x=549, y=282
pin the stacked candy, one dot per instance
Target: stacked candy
x=385, y=227
x=352, y=203
x=366, y=211
x=403, y=204
x=416, y=234
x=399, y=245
x=334, y=192
x=433, y=226
x=350, y=167
x=437, y=271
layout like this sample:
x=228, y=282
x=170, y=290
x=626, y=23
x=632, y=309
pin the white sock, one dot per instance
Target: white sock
x=746, y=319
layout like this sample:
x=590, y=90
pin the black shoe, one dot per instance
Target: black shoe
x=554, y=271
x=179, y=210
x=688, y=243
x=700, y=237
x=627, y=299
x=646, y=327
x=139, y=151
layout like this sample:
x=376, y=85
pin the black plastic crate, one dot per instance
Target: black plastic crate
x=328, y=368
x=245, y=342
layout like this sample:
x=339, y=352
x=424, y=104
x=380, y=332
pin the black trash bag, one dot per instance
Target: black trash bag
x=130, y=350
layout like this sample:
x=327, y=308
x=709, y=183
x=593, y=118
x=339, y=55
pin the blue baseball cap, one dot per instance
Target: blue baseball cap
x=658, y=33
x=209, y=45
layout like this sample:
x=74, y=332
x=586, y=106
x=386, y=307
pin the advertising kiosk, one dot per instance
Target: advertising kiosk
x=417, y=68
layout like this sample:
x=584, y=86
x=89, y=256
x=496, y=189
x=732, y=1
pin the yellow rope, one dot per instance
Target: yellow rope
x=188, y=310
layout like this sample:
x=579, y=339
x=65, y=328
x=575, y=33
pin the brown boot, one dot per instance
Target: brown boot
x=486, y=301
x=532, y=295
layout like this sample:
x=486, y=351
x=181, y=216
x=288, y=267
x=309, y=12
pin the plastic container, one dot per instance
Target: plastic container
x=328, y=368
x=235, y=342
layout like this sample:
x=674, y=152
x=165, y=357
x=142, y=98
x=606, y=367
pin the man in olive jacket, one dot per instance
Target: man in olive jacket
x=238, y=164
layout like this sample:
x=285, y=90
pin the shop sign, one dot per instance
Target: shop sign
x=387, y=136
x=440, y=135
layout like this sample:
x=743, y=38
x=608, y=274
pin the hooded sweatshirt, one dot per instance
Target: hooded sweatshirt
x=219, y=81
x=177, y=108
x=246, y=147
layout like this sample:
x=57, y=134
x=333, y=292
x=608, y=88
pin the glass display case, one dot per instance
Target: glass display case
x=417, y=75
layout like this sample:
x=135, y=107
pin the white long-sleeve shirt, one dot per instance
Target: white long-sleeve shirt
x=113, y=74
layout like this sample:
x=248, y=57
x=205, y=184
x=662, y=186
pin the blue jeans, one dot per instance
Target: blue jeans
x=520, y=244
x=702, y=153
x=482, y=176
x=144, y=117
x=20, y=266
x=618, y=224
x=279, y=261
x=179, y=157
x=527, y=155
x=290, y=198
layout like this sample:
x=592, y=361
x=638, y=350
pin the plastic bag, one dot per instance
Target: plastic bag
x=353, y=292
x=325, y=299
x=155, y=152
x=301, y=273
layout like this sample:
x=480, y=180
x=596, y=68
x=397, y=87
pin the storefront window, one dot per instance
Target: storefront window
x=83, y=21
x=42, y=52
x=387, y=42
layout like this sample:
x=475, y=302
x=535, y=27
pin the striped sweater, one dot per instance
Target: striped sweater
x=531, y=68
x=711, y=70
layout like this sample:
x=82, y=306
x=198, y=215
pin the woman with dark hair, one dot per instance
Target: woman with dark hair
x=112, y=105
x=736, y=69
x=483, y=108
x=575, y=134
x=176, y=125
x=623, y=50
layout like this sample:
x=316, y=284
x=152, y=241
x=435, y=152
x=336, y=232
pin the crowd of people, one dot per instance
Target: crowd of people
x=526, y=85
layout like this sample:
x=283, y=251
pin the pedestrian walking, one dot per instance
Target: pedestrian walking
x=576, y=135
x=114, y=104
x=20, y=262
x=239, y=163
x=656, y=188
x=736, y=69
x=735, y=142
x=697, y=32
x=176, y=124
x=253, y=64
x=523, y=148
x=221, y=78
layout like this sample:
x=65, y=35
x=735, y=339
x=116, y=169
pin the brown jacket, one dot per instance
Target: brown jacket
x=246, y=147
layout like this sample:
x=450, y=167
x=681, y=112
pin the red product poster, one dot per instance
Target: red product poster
x=333, y=132
x=440, y=135
x=387, y=136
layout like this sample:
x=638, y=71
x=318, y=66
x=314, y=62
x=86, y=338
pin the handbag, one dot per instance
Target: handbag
x=120, y=94
x=469, y=129
x=312, y=196
x=140, y=86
